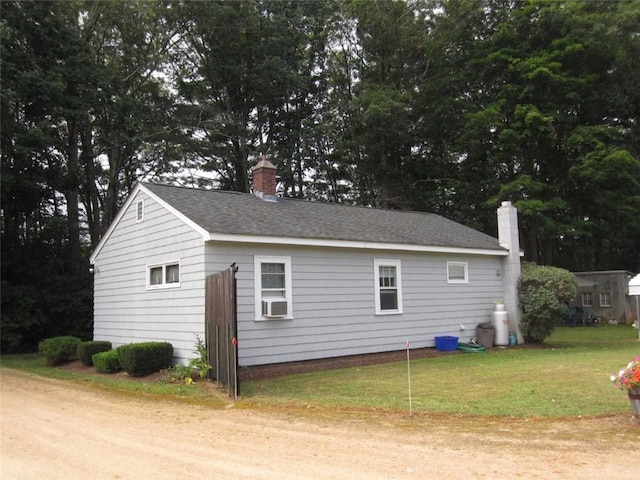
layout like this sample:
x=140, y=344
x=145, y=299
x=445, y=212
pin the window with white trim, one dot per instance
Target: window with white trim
x=140, y=211
x=605, y=299
x=388, y=286
x=587, y=299
x=457, y=272
x=272, y=282
x=165, y=275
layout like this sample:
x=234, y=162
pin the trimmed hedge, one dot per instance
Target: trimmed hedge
x=140, y=359
x=59, y=350
x=107, y=361
x=86, y=350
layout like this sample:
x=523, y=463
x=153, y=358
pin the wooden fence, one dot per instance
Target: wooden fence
x=222, y=329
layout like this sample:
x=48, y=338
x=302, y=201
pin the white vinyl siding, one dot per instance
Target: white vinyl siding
x=457, y=272
x=333, y=295
x=272, y=282
x=388, y=286
x=126, y=310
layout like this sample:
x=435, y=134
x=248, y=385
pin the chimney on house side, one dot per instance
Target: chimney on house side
x=509, y=238
x=264, y=179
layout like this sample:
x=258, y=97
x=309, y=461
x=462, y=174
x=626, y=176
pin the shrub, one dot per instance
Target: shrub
x=59, y=350
x=197, y=368
x=86, y=350
x=140, y=359
x=544, y=294
x=107, y=362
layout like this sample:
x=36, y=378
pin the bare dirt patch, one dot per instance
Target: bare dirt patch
x=59, y=430
x=261, y=372
x=79, y=367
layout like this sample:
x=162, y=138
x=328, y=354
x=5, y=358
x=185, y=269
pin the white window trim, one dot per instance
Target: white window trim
x=582, y=297
x=465, y=265
x=257, y=285
x=164, y=266
x=140, y=211
x=608, y=295
x=380, y=262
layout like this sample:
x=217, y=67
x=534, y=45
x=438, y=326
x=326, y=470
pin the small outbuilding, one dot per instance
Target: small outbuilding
x=607, y=294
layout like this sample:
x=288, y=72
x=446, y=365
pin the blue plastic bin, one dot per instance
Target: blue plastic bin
x=446, y=344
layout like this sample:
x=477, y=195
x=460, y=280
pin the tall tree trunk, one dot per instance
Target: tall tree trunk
x=92, y=200
x=72, y=195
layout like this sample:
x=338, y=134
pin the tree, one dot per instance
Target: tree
x=45, y=287
x=60, y=92
x=543, y=78
x=249, y=77
x=390, y=61
x=129, y=133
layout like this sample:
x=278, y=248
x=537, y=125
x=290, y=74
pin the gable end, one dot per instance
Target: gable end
x=139, y=188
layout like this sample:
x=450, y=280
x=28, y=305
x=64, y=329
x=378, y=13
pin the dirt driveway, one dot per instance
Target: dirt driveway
x=62, y=430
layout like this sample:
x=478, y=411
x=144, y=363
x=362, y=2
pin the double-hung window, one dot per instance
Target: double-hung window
x=273, y=298
x=388, y=286
x=605, y=299
x=164, y=275
x=587, y=299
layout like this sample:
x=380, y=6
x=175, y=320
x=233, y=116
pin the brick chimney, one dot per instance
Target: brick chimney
x=264, y=179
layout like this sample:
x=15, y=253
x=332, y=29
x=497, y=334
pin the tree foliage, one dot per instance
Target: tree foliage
x=447, y=106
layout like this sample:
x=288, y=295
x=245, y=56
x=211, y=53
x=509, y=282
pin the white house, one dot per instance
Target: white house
x=314, y=279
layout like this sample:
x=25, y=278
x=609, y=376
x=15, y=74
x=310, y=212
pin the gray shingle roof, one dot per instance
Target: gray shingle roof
x=226, y=212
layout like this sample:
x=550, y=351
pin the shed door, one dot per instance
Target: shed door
x=222, y=328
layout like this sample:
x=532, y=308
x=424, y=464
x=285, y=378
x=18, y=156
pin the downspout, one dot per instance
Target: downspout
x=509, y=238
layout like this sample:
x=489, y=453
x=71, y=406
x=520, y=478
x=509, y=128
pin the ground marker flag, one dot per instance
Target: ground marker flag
x=409, y=378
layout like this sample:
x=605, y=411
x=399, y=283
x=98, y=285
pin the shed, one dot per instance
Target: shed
x=607, y=293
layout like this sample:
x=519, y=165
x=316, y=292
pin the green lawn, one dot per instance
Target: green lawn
x=201, y=392
x=568, y=376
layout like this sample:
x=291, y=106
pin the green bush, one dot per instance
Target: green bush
x=196, y=368
x=140, y=359
x=544, y=295
x=107, y=361
x=86, y=350
x=59, y=350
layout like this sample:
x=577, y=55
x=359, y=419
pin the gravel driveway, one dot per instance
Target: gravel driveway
x=63, y=430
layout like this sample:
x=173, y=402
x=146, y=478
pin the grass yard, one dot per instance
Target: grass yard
x=153, y=385
x=568, y=376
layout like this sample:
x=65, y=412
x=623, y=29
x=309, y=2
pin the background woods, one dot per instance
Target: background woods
x=444, y=106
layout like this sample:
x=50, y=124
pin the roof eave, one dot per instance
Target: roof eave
x=317, y=242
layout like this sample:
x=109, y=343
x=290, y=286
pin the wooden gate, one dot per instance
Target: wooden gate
x=222, y=328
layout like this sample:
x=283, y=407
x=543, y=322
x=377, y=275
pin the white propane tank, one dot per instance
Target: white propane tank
x=501, y=324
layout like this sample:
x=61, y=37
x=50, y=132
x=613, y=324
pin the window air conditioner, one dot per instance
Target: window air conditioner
x=274, y=308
